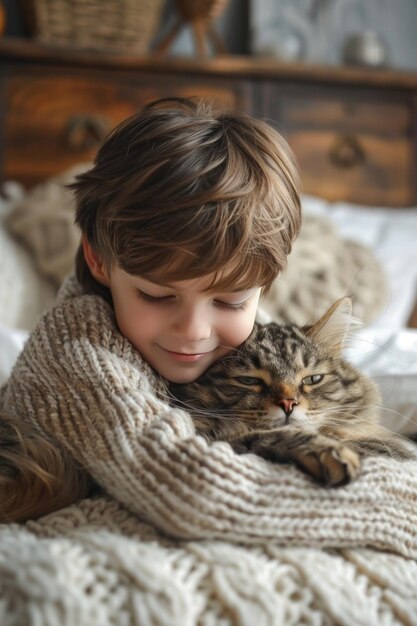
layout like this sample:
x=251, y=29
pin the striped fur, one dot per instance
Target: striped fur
x=288, y=395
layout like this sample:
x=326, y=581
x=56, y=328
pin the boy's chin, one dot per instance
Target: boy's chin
x=183, y=378
x=182, y=375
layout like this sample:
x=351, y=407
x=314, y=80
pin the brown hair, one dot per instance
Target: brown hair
x=182, y=191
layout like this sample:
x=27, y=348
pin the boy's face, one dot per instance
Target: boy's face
x=180, y=329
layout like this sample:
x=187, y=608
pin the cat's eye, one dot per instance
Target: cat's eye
x=249, y=380
x=313, y=380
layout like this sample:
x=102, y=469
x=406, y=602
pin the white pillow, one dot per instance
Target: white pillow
x=391, y=234
x=11, y=343
x=24, y=293
x=389, y=356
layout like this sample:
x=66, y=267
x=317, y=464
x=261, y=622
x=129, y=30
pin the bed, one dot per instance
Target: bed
x=96, y=564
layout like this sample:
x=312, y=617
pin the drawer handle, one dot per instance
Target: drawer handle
x=84, y=132
x=346, y=152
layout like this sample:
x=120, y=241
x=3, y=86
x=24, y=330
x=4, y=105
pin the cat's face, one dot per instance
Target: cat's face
x=284, y=374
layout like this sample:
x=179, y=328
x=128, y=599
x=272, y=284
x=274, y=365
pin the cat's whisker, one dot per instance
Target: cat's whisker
x=212, y=413
x=342, y=407
x=350, y=407
x=383, y=348
x=397, y=413
x=379, y=407
x=334, y=421
x=394, y=412
x=336, y=408
x=164, y=384
x=199, y=411
x=222, y=345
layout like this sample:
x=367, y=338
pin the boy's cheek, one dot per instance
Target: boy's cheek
x=239, y=332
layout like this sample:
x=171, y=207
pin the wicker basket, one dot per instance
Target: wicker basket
x=127, y=25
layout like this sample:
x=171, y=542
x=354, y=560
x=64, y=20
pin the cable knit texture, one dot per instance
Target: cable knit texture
x=190, y=533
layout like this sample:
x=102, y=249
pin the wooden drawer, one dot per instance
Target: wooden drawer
x=355, y=167
x=346, y=114
x=354, y=131
x=350, y=146
x=54, y=121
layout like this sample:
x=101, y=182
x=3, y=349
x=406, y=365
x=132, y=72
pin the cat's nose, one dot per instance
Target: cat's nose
x=287, y=405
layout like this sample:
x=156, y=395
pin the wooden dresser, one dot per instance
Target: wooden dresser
x=353, y=131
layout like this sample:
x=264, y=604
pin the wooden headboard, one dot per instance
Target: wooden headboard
x=353, y=131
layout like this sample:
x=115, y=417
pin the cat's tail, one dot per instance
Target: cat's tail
x=36, y=477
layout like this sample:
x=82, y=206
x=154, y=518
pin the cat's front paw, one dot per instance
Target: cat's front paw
x=332, y=465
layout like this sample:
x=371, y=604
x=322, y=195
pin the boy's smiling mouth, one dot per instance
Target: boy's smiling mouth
x=186, y=356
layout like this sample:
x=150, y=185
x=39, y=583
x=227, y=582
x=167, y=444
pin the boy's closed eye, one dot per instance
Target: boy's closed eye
x=233, y=306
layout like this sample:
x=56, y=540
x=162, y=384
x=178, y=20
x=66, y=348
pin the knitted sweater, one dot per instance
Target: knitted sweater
x=122, y=559
x=79, y=380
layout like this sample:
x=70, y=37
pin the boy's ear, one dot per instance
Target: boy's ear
x=95, y=263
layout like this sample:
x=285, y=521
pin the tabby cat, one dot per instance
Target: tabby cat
x=288, y=395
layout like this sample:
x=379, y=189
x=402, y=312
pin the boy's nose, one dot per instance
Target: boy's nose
x=192, y=326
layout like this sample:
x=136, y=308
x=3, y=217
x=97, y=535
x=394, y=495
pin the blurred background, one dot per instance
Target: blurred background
x=338, y=78
x=311, y=30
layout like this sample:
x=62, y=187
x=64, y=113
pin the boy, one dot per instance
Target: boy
x=186, y=217
x=207, y=202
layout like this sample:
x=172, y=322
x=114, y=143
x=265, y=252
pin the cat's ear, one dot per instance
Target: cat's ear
x=332, y=328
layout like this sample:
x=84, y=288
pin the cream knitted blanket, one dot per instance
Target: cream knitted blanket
x=190, y=534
